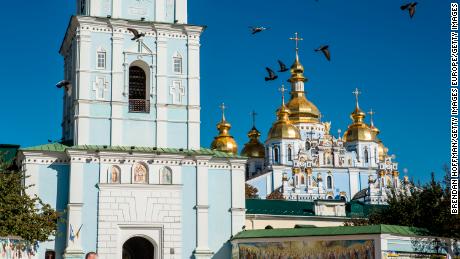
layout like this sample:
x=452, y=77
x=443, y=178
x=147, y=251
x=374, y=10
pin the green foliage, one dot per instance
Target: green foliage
x=427, y=206
x=21, y=215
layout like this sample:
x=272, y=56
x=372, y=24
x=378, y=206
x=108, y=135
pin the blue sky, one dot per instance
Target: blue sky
x=400, y=65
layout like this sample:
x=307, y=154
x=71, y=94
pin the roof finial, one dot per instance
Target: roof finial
x=356, y=92
x=282, y=90
x=297, y=39
x=253, y=114
x=223, y=107
x=371, y=113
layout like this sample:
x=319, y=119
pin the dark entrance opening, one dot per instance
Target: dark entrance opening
x=138, y=248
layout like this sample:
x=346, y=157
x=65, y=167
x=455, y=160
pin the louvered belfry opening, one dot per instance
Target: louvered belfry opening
x=138, y=90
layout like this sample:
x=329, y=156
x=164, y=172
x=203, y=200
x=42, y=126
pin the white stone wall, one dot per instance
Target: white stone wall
x=124, y=207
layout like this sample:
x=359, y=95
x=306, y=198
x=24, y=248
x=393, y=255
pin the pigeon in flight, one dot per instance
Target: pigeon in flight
x=410, y=7
x=271, y=75
x=63, y=83
x=325, y=50
x=136, y=33
x=283, y=67
x=258, y=29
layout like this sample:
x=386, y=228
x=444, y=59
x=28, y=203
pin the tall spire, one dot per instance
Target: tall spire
x=222, y=108
x=282, y=90
x=371, y=114
x=297, y=68
x=253, y=115
x=356, y=93
x=296, y=38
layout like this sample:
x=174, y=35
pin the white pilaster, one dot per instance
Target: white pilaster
x=117, y=84
x=116, y=8
x=160, y=11
x=193, y=47
x=74, y=207
x=202, y=207
x=162, y=90
x=238, y=197
x=181, y=11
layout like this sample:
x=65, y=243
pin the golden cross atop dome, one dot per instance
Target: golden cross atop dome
x=297, y=39
x=282, y=90
x=223, y=107
x=371, y=113
x=356, y=93
x=253, y=114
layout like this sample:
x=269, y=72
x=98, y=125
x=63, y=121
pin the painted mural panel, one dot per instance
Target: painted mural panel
x=306, y=249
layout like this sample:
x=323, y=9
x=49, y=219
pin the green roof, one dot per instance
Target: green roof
x=355, y=209
x=331, y=231
x=52, y=147
x=279, y=207
x=57, y=147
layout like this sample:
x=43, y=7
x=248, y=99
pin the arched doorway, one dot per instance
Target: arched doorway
x=138, y=248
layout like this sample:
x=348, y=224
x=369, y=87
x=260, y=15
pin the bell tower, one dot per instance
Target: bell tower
x=132, y=75
x=172, y=11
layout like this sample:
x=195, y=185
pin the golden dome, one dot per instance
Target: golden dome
x=302, y=110
x=224, y=141
x=253, y=148
x=283, y=128
x=358, y=130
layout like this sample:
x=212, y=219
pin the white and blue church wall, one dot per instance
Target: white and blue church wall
x=167, y=113
x=47, y=174
x=186, y=206
x=169, y=11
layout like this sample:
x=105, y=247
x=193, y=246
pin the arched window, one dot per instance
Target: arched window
x=50, y=254
x=177, y=63
x=302, y=180
x=140, y=173
x=276, y=154
x=329, y=182
x=343, y=198
x=166, y=175
x=138, y=90
x=114, y=174
x=289, y=154
x=366, y=156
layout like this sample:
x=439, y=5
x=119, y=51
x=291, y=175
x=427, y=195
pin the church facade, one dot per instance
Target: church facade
x=303, y=161
x=129, y=175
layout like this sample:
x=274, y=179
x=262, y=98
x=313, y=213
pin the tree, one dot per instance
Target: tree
x=21, y=215
x=426, y=207
x=251, y=192
x=276, y=195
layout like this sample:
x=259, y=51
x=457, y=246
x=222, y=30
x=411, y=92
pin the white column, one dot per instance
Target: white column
x=193, y=108
x=162, y=91
x=354, y=182
x=118, y=88
x=74, y=213
x=202, y=209
x=160, y=11
x=238, y=197
x=84, y=81
x=116, y=8
x=181, y=11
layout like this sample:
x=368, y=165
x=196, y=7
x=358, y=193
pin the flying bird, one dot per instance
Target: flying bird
x=325, y=50
x=410, y=7
x=63, y=83
x=283, y=67
x=271, y=75
x=136, y=33
x=258, y=29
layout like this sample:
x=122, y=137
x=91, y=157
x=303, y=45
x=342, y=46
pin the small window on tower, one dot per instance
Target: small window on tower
x=177, y=62
x=101, y=60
